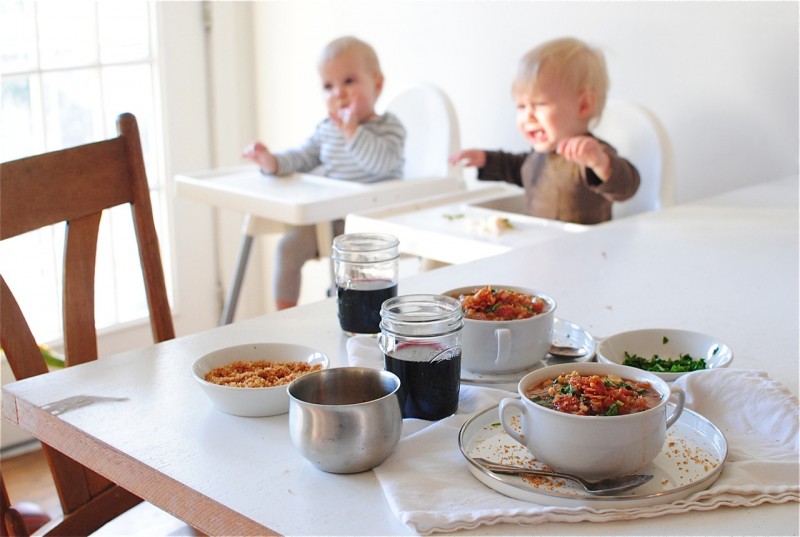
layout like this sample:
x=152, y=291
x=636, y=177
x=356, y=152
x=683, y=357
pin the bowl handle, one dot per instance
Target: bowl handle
x=503, y=336
x=508, y=404
x=678, y=406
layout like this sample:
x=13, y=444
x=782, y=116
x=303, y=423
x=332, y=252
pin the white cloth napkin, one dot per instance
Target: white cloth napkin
x=430, y=489
x=363, y=351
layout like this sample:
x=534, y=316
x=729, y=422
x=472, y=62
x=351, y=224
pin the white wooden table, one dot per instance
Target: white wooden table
x=270, y=202
x=726, y=266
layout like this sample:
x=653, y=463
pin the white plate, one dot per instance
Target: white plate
x=565, y=334
x=691, y=460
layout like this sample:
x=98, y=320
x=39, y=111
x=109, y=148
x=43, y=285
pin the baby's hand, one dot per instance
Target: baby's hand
x=351, y=116
x=470, y=157
x=586, y=151
x=258, y=153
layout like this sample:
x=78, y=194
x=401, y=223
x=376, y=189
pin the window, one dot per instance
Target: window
x=68, y=70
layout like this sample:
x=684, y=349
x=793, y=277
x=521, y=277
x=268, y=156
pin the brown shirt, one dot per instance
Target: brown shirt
x=559, y=189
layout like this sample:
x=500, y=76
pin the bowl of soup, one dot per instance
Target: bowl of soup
x=506, y=328
x=590, y=419
x=251, y=379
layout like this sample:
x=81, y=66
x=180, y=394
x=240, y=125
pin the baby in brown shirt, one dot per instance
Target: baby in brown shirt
x=560, y=90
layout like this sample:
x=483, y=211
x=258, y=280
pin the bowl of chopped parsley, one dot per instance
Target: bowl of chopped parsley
x=666, y=352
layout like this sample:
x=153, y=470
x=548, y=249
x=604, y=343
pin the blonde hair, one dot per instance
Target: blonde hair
x=570, y=61
x=349, y=43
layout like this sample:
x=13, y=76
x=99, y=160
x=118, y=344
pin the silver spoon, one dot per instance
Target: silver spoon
x=607, y=486
x=563, y=351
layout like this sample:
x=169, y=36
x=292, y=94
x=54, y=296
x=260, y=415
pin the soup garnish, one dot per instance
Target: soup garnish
x=683, y=364
x=487, y=304
x=594, y=395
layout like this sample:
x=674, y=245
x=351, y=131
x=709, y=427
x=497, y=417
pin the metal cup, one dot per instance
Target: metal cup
x=347, y=419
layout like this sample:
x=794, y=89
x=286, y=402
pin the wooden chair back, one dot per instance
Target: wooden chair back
x=75, y=186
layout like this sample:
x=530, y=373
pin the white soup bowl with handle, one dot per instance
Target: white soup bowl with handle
x=505, y=346
x=591, y=446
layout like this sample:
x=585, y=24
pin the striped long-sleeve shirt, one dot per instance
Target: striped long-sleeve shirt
x=375, y=152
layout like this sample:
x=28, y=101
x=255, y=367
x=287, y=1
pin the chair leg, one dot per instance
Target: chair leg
x=229, y=309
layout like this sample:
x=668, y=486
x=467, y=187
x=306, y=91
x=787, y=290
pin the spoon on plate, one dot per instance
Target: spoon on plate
x=607, y=486
x=565, y=351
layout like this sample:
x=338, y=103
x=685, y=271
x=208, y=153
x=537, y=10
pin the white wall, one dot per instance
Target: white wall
x=209, y=103
x=721, y=76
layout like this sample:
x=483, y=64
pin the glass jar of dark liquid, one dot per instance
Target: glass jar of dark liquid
x=365, y=270
x=421, y=343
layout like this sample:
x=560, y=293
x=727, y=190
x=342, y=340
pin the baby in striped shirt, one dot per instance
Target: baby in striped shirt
x=353, y=143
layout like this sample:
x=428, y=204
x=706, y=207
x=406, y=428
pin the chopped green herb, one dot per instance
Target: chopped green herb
x=613, y=410
x=683, y=364
x=665, y=340
x=453, y=216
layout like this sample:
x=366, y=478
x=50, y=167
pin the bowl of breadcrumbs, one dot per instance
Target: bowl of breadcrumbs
x=251, y=379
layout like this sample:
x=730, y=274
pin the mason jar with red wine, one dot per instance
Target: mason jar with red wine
x=365, y=267
x=421, y=343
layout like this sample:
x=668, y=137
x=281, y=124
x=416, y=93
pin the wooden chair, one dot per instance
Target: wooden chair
x=75, y=186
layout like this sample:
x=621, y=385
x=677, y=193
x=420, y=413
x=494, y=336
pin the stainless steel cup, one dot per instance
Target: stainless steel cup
x=347, y=419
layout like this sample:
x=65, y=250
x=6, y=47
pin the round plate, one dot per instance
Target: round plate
x=565, y=334
x=691, y=460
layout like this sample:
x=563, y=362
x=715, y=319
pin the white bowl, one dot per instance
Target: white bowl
x=252, y=402
x=499, y=347
x=667, y=343
x=590, y=446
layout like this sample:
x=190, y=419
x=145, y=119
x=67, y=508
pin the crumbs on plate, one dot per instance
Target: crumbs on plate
x=510, y=452
x=689, y=459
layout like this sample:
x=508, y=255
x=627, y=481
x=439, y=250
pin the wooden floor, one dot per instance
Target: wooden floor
x=28, y=479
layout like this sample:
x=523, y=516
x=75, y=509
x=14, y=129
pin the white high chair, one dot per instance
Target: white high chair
x=432, y=133
x=638, y=136
x=431, y=137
